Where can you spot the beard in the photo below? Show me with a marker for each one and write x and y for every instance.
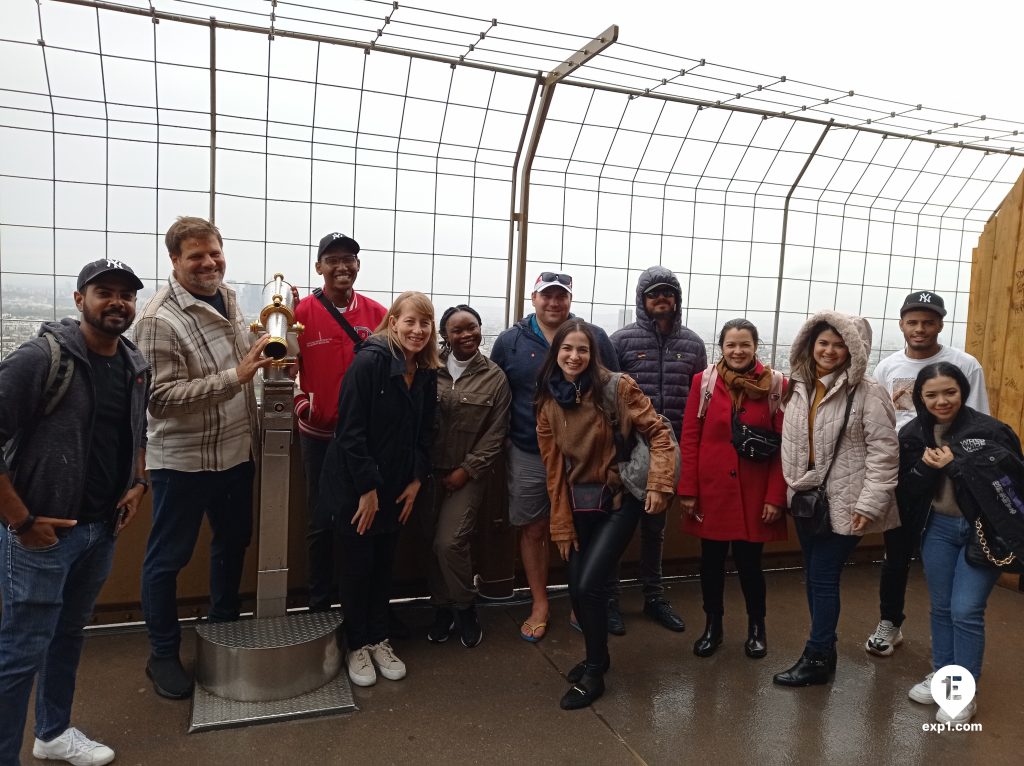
(110, 323)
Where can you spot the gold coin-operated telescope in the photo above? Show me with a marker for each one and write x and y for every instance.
(278, 319)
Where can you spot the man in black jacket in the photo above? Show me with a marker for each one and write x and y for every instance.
(662, 356)
(71, 477)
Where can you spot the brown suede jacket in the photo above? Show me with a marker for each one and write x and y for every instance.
(583, 436)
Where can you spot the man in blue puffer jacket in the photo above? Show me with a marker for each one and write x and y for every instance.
(662, 356)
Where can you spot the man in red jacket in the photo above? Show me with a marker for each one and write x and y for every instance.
(336, 317)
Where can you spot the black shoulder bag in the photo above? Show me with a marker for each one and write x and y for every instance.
(338, 316)
(810, 507)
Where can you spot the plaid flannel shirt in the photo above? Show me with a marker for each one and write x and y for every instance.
(200, 417)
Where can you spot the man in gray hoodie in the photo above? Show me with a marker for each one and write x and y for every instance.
(73, 424)
(662, 356)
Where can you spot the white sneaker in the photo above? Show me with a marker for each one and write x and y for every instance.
(964, 717)
(74, 747)
(884, 640)
(360, 667)
(384, 658)
(922, 692)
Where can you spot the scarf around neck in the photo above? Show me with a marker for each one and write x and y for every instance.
(748, 383)
(567, 394)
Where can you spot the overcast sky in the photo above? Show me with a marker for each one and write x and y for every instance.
(950, 55)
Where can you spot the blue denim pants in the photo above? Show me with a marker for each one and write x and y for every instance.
(824, 558)
(958, 593)
(180, 499)
(48, 597)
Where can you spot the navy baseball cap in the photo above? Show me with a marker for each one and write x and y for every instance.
(93, 271)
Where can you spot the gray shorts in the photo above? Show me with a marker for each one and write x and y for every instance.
(527, 487)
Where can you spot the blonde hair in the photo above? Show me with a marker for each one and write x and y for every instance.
(411, 300)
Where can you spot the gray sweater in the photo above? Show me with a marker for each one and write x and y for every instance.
(46, 456)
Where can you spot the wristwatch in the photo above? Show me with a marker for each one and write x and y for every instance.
(23, 527)
(143, 482)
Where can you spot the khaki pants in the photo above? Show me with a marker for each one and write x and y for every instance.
(448, 522)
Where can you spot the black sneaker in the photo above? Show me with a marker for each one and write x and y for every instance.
(615, 624)
(169, 677)
(444, 621)
(469, 627)
(659, 610)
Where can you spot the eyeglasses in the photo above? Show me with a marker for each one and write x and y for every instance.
(338, 260)
(660, 292)
(551, 276)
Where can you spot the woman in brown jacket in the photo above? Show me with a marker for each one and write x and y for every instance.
(472, 418)
(593, 516)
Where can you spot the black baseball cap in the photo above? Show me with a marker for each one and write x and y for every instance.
(337, 240)
(924, 300)
(92, 271)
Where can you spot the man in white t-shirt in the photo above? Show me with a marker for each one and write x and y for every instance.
(921, 322)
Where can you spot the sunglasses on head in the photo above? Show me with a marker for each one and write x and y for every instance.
(660, 292)
(550, 276)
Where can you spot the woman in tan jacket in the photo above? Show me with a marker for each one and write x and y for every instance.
(593, 516)
(839, 433)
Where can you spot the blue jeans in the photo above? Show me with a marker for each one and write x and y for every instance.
(824, 558)
(48, 597)
(958, 593)
(180, 499)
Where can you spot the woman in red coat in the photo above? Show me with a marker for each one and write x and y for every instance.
(728, 498)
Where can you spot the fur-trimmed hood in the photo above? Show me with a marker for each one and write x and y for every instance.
(856, 333)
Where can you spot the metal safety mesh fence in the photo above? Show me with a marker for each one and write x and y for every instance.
(417, 132)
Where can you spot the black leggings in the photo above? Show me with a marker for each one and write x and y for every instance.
(712, 575)
(364, 584)
(603, 539)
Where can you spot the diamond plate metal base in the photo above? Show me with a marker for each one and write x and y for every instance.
(210, 712)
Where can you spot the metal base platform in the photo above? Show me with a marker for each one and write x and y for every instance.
(243, 667)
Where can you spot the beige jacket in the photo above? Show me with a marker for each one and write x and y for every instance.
(863, 479)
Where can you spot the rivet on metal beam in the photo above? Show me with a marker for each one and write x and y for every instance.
(956, 124)
(494, 22)
(782, 79)
(982, 117)
(892, 114)
(827, 100)
(760, 87)
(918, 107)
(850, 93)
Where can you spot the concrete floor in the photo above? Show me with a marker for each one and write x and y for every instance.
(498, 703)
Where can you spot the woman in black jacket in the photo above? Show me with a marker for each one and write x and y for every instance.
(372, 473)
(936, 496)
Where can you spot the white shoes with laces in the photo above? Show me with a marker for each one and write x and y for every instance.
(360, 667)
(922, 692)
(75, 748)
(387, 663)
(884, 640)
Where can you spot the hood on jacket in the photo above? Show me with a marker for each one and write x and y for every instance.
(653, 276)
(68, 333)
(856, 333)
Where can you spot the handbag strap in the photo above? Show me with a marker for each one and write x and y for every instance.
(611, 410)
(338, 316)
(842, 430)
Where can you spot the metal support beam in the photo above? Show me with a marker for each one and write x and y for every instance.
(782, 251)
(512, 217)
(213, 119)
(571, 64)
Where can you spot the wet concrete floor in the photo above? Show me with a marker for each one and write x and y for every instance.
(498, 703)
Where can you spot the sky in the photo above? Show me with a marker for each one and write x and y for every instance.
(950, 55)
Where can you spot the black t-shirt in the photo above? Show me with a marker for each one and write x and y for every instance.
(109, 462)
(217, 301)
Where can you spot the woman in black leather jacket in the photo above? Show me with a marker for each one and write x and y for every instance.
(936, 495)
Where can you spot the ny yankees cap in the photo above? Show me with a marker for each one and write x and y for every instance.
(92, 271)
(336, 239)
(924, 300)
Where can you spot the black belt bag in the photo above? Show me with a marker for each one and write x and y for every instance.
(590, 498)
(758, 445)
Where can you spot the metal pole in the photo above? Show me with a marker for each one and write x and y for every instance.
(782, 251)
(512, 217)
(213, 119)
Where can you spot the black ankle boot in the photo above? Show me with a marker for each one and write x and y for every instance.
(584, 692)
(812, 669)
(756, 645)
(711, 638)
(578, 670)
